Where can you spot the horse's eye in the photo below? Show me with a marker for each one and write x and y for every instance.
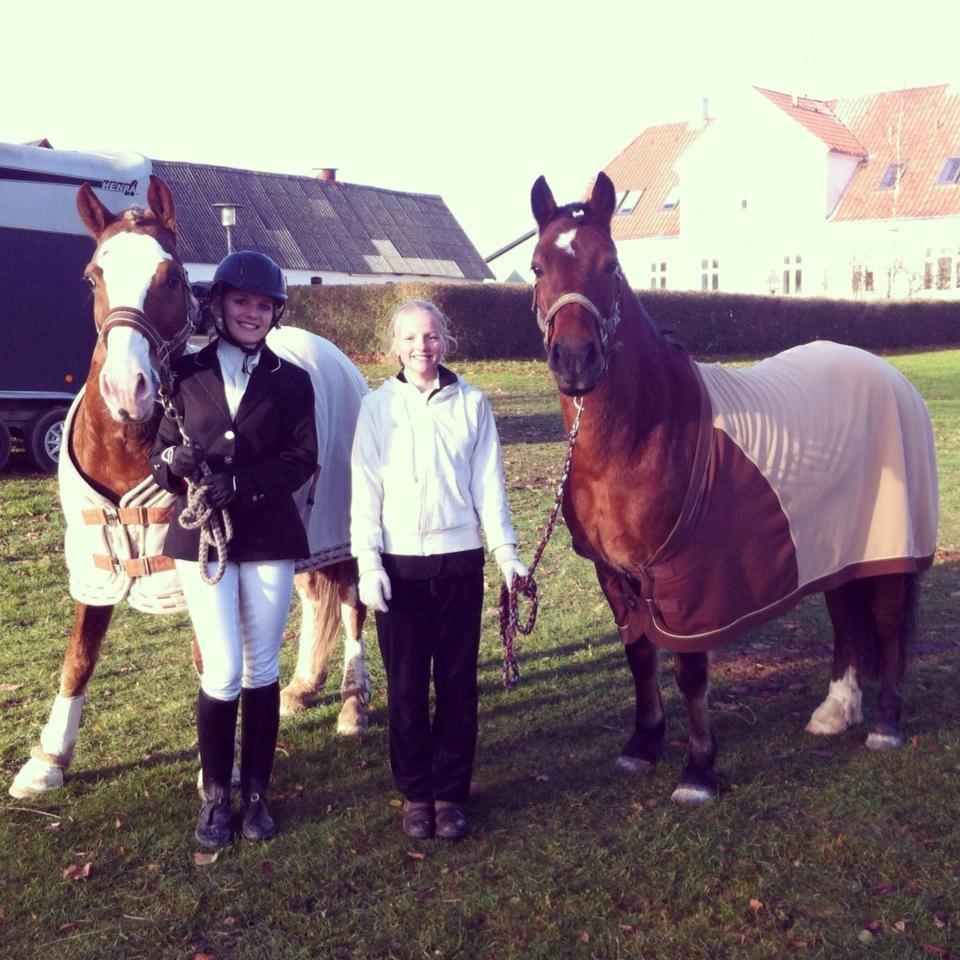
(173, 281)
(537, 270)
(90, 280)
(611, 267)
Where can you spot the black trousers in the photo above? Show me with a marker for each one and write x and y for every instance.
(432, 622)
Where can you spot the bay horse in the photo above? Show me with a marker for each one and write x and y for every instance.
(711, 500)
(144, 312)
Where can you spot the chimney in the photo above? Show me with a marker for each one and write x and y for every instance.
(326, 173)
(705, 109)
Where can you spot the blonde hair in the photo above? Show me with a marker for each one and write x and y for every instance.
(447, 338)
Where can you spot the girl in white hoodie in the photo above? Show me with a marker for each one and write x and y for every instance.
(427, 476)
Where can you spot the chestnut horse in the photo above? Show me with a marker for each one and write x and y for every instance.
(692, 508)
(145, 312)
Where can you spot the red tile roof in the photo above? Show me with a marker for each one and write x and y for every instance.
(648, 163)
(819, 118)
(920, 126)
(926, 122)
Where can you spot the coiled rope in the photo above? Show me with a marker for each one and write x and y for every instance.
(214, 523)
(510, 624)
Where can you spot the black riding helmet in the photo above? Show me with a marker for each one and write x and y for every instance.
(255, 273)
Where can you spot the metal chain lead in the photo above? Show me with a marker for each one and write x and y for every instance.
(215, 525)
(510, 624)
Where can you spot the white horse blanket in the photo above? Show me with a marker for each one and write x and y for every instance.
(814, 467)
(116, 552)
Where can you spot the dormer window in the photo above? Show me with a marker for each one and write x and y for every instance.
(892, 175)
(951, 171)
(627, 200)
(672, 200)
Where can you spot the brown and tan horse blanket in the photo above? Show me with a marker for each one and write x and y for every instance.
(814, 467)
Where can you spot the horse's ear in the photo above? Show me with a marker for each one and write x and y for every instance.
(161, 203)
(603, 199)
(95, 216)
(542, 203)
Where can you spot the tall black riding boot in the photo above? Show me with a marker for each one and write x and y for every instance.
(216, 726)
(260, 721)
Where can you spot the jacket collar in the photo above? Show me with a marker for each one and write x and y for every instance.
(258, 389)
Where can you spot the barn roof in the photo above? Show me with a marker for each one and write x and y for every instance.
(318, 225)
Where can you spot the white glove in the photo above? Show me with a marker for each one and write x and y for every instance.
(375, 590)
(509, 563)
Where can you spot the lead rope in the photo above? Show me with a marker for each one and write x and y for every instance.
(215, 525)
(510, 624)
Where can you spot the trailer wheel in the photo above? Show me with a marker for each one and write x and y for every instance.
(5, 444)
(44, 436)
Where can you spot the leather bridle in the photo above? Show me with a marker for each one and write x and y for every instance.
(606, 323)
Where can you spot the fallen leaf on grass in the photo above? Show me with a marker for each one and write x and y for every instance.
(7, 687)
(204, 956)
(229, 921)
(755, 904)
(900, 925)
(584, 937)
(797, 945)
(205, 859)
(50, 827)
(934, 950)
(938, 923)
(416, 855)
(70, 925)
(874, 925)
(882, 890)
(76, 872)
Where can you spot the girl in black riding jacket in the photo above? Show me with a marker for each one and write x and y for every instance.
(249, 417)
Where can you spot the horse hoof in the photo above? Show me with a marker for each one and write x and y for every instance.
(295, 699)
(633, 765)
(831, 717)
(884, 741)
(692, 796)
(34, 778)
(354, 718)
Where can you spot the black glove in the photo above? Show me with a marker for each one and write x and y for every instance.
(185, 461)
(218, 488)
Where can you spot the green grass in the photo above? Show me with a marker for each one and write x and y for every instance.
(816, 848)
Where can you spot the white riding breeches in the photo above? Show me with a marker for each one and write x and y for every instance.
(238, 622)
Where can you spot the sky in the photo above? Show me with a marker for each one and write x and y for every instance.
(468, 101)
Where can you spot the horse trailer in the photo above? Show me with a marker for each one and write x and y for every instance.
(46, 327)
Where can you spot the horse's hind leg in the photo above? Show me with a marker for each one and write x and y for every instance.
(698, 782)
(848, 607)
(328, 599)
(354, 717)
(51, 758)
(893, 609)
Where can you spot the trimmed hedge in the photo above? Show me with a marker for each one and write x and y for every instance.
(495, 321)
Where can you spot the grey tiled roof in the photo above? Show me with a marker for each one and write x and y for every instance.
(318, 225)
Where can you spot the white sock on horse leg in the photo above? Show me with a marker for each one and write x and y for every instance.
(59, 736)
(355, 676)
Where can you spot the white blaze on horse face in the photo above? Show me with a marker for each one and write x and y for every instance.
(565, 241)
(128, 263)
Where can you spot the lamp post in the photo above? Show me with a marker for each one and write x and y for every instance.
(228, 219)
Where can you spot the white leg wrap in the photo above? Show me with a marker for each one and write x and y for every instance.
(44, 770)
(355, 689)
(842, 708)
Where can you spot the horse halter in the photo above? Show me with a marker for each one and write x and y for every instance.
(606, 324)
(136, 319)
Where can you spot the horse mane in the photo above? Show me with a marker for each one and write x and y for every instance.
(135, 219)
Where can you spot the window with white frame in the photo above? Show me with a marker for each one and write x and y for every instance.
(672, 200)
(892, 175)
(658, 275)
(862, 279)
(941, 269)
(792, 274)
(709, 274)
(951, 171)
(627, 200)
